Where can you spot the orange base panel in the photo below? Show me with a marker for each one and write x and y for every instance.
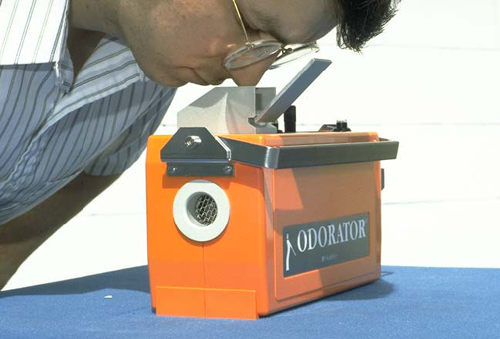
(291, 235)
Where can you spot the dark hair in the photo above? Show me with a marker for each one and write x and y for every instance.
(361, 20)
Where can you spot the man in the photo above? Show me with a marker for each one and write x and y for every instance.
(83, 83)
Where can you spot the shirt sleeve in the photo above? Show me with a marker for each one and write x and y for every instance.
(32, 31)
(124, 151)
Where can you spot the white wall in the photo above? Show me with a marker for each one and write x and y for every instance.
(430, 81)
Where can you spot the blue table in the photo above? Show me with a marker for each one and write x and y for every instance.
(405, 303)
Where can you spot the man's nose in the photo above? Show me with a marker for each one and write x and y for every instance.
(250, 75)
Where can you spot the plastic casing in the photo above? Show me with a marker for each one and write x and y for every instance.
(239, 275)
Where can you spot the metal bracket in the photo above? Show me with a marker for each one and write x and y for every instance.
(194, 151)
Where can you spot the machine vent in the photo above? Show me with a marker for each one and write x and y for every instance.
(205, 211)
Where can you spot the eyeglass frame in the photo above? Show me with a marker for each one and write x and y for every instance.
(285, 50)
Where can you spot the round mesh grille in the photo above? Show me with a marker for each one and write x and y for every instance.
(205, 210)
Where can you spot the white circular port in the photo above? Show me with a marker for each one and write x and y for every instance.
(201, 210)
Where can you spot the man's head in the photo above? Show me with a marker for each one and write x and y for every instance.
(176, 42)
(361, 20)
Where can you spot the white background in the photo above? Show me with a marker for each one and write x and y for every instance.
(430, 81)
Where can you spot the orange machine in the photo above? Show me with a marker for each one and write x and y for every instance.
(241, 226)
(244, 221)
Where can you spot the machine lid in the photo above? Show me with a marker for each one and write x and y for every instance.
(293, 90)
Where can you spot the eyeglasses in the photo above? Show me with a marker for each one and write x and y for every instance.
(256, 51)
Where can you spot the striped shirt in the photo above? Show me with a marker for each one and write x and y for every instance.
(54, 127)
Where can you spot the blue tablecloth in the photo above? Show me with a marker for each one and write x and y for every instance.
(405, 303)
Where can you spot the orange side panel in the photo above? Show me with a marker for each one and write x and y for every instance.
(352, 185)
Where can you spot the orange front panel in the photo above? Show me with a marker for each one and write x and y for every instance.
(174, 259)
(239, 258)
(181, 302)
(232, 260)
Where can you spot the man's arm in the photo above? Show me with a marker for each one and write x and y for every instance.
(20, 237)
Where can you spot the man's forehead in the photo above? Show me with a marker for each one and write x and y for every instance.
(291, 21)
